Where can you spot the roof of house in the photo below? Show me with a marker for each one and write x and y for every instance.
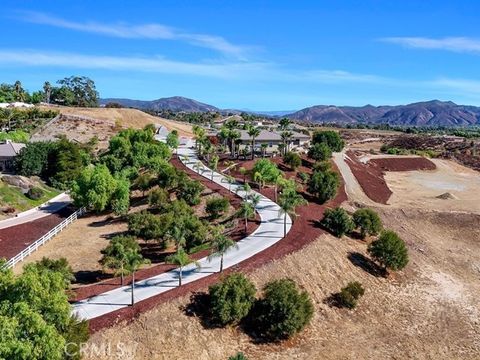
(10, 149)
(266, 135)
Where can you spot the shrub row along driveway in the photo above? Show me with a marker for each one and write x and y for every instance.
(268, 233)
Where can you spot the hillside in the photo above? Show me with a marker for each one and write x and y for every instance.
(430, 113)
(175, 103)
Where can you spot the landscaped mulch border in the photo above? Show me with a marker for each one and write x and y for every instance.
(305, 229)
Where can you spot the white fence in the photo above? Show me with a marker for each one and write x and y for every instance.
(34, 246)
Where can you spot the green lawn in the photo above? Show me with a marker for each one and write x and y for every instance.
(13, 196)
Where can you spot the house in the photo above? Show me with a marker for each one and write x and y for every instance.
(272, 140)
(8, 151)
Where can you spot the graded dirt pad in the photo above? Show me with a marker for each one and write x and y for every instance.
(428, 311)
(403, 164)
(16, 238)
(127, 118)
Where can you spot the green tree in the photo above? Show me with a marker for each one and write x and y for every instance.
(33, 159)
(231, 299)
(337, 221)
(288, 201)
(349, 295)
(323, 185)
(146, 225)
(158, 198)
(253, 132)
(47, 91)
(389, 250)
(220, 243)
(94, 188)
(120, 201)
(76, 91)
(329, 137)
(181, 259)
(266, 170)
(216, 207)
(143, 182)
(319, 152)
(284, 123)
(190, 190)
(115, 255)
(172, 140)
(246, 211)
(286, 138)
(60, 266)
(368, 221)
(283, 311)
(292, 159)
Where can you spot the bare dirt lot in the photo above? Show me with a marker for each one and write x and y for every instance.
(430, 310)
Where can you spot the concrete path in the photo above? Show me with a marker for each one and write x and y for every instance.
(52, 206)
(268, 233)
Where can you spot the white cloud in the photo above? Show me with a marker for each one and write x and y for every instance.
(469, 88)
(144, 31)
(458, 44)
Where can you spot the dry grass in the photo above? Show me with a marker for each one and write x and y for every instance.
(431, 310)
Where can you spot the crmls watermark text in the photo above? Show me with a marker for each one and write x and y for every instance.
(105, 349)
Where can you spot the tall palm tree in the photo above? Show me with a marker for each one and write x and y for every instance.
(247, 211)
(181, 259)
(254, 199)
(258, 178)
(253, 132)
(288, 201)
(234, 136)
(243, 172)
(134, 261)
(284, 123)
(220, 244)
(19, 92)
(214, 164)
(47, 90)
(264, 149)
(286, 136)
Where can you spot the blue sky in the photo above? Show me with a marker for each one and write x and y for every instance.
(259, 55)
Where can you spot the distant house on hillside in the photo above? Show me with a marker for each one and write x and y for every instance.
(272, 140)
(8, 151)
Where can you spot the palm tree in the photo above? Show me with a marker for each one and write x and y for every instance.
(213, 164)
(198, 165)
(284, 123)
(278, 181)
(258, 178)
(181, 259)
(243, 172)
(19, 92)
(264, 149)
(47, 89)
(234, 136)
(288, 202)
(220, 244)
(286, 136)
(254, 199)
(245, 187)
(230, 180)
(247, 211)
(134, 261)
(253, 132)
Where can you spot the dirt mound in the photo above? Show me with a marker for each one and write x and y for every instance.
(18, 181)
(446, 196)
(403, 164)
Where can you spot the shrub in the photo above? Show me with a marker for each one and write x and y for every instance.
(329, 137)
(319, 152)
(389, 250)
(368, 221)
(292, 159)
(323, 185)
(283, 311)
(145, 225)
(322, 166)
(337, 221)
(231, 299)
(238, 356)
(190, 190)
(350, 294)
(216, 207)
(35, 193)
(304, 176)
(158, 198)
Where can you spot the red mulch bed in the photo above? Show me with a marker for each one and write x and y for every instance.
(236, 234)
(370, 176)
(16, 238)
(403, 164)
(304, 230)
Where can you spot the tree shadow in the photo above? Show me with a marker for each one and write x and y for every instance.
(85, 277)
(108, 221)
(154, 252)
(199, 306)
(365, 264)
(334, 301)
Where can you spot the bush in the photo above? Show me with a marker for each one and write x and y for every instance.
(292, 159)
(190, 190)
(337, 221)
(319, 152)
(330, 138)
(304, 176)
(34, 193)
(368, 221)
(158, 198)
(323, 185)
(216, 207)
(389, 250)
(238, 356)
(283, 311)
(322, 166)
(145, 225)
(231, 299)
(350, 294)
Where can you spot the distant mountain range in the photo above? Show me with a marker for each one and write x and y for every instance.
(428, 113)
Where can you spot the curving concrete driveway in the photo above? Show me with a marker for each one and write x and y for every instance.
(268, 233)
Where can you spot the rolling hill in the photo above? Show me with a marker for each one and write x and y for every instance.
(429, 113)
(175, 103)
